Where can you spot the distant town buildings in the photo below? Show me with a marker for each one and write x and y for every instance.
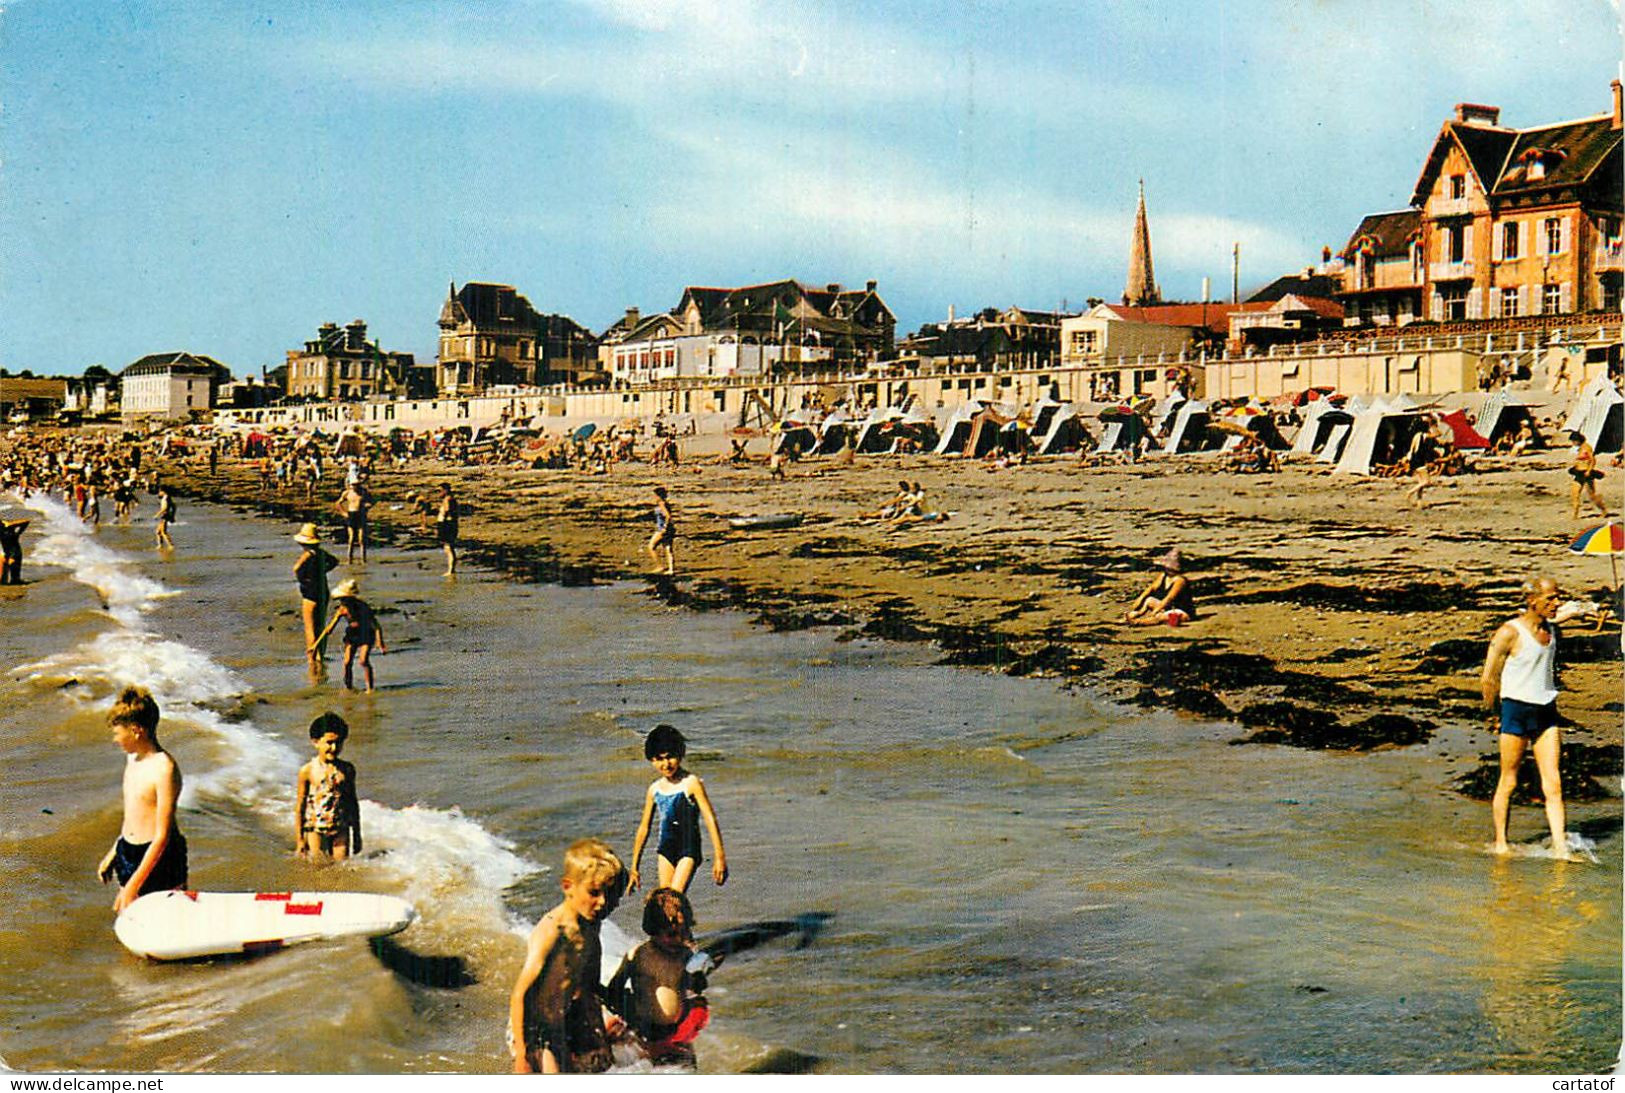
(991, 339)
(30, 399)
(170, 386)
(487, 339)
(778, 327)
(1503, 223)
(340, 363)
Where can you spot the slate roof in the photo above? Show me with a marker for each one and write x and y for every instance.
(193, 363)
(1296, 284)
(1495, 154)
(489, 307)
(1392, 232)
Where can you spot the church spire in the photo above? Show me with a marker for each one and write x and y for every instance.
(1142, 282)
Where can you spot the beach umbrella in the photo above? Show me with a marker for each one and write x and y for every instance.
(1606, 539)
(584, 431)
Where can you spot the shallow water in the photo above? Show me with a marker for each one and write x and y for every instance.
(1022, 878)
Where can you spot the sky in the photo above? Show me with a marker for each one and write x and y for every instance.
(224, 177)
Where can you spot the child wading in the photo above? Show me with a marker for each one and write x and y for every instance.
(326, 810)
(653, 989)
(555, 1021)
(676, 802)
(361, 632)
(150, 854)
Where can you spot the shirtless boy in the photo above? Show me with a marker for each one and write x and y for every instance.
(150, 854)
(653, 988)
(555, 1022)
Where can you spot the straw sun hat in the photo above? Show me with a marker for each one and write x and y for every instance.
(350, 587)
(307, 535)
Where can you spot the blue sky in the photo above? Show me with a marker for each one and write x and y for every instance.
(223, 177)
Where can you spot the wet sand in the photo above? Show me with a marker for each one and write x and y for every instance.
(1332, 615)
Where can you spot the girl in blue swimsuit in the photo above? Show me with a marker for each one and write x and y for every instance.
(674, 806)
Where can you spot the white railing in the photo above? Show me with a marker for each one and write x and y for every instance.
(1450, 271)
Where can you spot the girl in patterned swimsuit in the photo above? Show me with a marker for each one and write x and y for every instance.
(327, 812)
(676, 802)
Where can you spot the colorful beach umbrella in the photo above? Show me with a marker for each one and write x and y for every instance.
(1606, 539)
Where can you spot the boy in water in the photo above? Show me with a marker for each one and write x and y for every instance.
(555, 1021)
(150, 854)
(676, 801)
(326, 810)
(653, 988)
(361, 632)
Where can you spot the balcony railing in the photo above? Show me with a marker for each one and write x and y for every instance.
(1450, 271)
(1449, 206)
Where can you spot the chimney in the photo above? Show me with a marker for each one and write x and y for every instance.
(1619, 107)
(833, 287)
(870, 285)
(1472, 113)
(631, 317)
(950, 314)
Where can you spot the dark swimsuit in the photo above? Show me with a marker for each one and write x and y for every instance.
(677, 818)
(170, 872)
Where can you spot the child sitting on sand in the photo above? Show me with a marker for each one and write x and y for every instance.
(326, 810)
(555, 1021)
(653, 988)
(676, 801)
(361, 632)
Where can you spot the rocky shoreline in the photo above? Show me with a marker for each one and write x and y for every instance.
(1332, 615)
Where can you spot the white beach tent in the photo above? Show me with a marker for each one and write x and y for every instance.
(957, 431)
(1066, 431)
(1189, 430)
(1599, 415)
(1317, 427)
(1378, 436)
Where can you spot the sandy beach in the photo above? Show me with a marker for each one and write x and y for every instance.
(1332, 614)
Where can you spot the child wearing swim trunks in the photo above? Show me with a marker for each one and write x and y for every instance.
(653, 988)
(361, 632)
(326, 810)
(675, 804)
(150, 854)
(555, 1020)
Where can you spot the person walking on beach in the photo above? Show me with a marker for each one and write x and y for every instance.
(150, 852)
(352, 506)
(665, 534)
(1585, 474)
(361, 631)
(445, 527)
(311, 572)
(1520, 678)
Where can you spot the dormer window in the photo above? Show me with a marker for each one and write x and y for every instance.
(1458, 187)
(1538, 161)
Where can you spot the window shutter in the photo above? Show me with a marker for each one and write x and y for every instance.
(1565, 299)
(1467, 243)
(1523, 299)
(1436, 307)
(1539, 227)
(1475, 303)
(1495, 303)
(1563, 238)
(1496, 232)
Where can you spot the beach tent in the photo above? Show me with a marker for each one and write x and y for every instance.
(833, 433)
(957, 431)
(874, 435)
(794, 439)
(1463, 435)
(1599, 416)
(1502, 414)
(1317, 431)
(1377, 437)
(984, 433)
(1122, 432)
(1166, 412)
(1066, 433)
(1189, 430)
(1262, 427)
(1336, 438)
(1044, 411)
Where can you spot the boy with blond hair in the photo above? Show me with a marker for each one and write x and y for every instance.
(555, 1022)
(150, 853)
